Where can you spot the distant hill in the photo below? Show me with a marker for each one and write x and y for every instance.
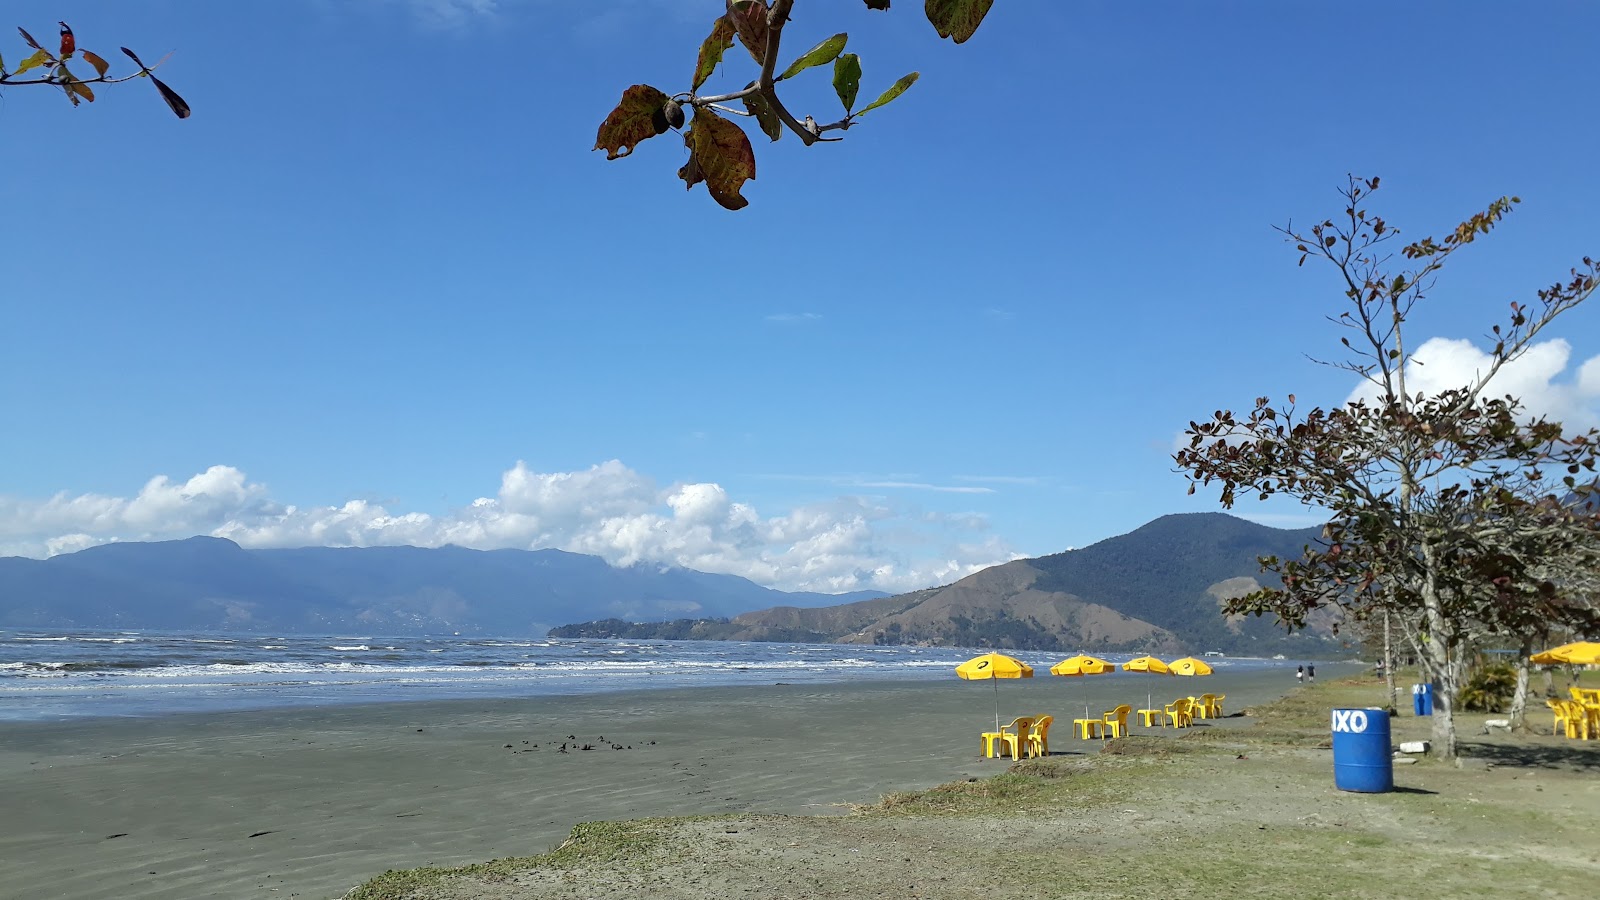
(1157, 589)
(210, 583)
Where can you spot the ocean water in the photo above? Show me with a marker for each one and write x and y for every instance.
(54, 676)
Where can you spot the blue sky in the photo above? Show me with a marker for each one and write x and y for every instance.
(379, 289)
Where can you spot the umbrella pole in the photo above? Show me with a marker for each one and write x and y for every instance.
(996, 704)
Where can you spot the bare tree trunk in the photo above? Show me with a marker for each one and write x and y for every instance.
(1437, 665)
(1388, 660)
(1519, 700)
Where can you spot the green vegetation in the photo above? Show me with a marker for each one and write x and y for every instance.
(1489, 689)
(720, 154)
(1450, 514)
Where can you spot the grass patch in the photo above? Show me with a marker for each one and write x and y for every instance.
(999, 792)
(630, 843)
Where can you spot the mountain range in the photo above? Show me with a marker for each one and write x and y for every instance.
(211, 584)
(1158, 589)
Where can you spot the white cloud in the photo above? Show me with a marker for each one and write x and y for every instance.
(607, 510)
(1534, 378)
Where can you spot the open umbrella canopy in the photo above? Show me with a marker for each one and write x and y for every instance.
(1582, 653)
(1082, 665)
(1147, 664)
(1189, 666)
(993, 665)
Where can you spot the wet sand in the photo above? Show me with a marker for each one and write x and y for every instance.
(309, 803)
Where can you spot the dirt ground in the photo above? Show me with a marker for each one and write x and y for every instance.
(1242, 807)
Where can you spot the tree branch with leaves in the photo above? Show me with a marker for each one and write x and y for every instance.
(53, 71)
(720, 153)
(1445, 510)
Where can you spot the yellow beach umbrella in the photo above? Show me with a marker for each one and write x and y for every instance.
(1081, 665)
(994, 666)
(1189, 666)
(1582, 653)
(1149, 665)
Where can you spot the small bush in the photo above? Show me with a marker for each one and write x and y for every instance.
(1489, 689)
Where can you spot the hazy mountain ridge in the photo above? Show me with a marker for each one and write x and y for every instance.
(208, 583)
(1159, 589)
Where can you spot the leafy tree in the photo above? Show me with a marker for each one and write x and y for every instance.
(51, 69)
(720, 154)
(1443, 509)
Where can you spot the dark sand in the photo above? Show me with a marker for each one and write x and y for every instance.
(309, 803)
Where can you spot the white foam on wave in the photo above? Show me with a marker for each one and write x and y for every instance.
(350, 647)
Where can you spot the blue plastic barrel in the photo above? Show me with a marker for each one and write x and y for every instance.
(1361, 758)
(1422, 699)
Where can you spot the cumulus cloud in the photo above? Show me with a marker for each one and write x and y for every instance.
(1535, 378)
(608, 510)
(1539, 379)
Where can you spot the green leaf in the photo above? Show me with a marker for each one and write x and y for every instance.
(711, 50)
(39, 58)
(722, 157)
(825, 52)
(637, 116)
(847, 79)
(761, 108)
(956, 19)
(749, 19)
(94, 59)
(895, 90)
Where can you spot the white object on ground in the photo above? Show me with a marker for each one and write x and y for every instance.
(1414, 747)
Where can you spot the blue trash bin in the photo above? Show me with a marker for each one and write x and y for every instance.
(1422, 702)
(1361, 756)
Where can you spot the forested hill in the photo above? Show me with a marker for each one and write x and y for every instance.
(1159, 588)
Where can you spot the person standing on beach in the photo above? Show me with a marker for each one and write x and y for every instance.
(1300, 674)
(1311, 673)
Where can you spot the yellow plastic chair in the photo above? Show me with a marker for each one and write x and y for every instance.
(1570, 720)
(1012, 736)
(1180, 712)
(1115, 723)
(1039, 736)
(1588, 704)
(1216, 705)
(1203, 706)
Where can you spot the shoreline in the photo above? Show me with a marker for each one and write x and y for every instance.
(310, 802)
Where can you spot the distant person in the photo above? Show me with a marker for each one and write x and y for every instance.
(1311, 673)
(1300, 674)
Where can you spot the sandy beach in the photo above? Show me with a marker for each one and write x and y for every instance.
(309, 803)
